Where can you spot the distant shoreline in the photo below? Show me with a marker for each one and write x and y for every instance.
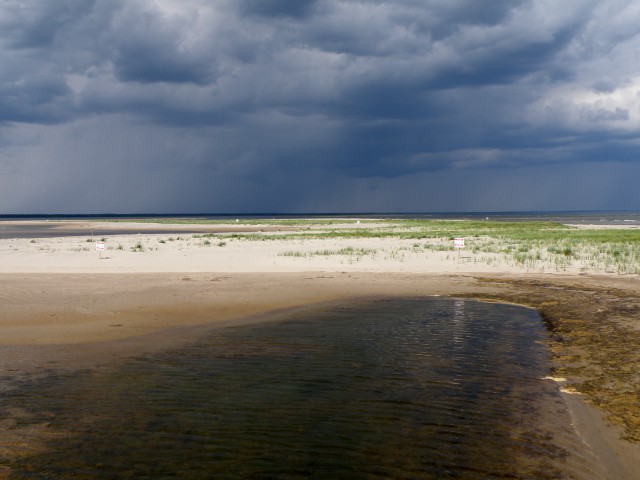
(17, 226)
(76, 228)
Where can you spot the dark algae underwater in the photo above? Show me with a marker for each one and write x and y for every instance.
(595, 341)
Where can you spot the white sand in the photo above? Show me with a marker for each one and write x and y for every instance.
(187, 253)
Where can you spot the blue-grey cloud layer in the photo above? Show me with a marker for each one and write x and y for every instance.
(317, 105)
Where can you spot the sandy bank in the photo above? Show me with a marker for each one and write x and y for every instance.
(73, 321)
(41, 309)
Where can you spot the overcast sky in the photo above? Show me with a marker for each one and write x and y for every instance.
(318, 105)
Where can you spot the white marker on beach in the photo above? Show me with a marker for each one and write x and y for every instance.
(458, 243)
(100, 248)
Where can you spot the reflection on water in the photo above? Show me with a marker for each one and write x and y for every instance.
(411, 388)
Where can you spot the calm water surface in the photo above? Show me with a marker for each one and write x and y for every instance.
(402, 388)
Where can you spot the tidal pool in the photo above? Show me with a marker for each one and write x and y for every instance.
(386, 389)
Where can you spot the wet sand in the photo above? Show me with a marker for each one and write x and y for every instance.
(70, 228)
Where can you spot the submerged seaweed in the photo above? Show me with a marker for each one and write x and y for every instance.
(595, 342)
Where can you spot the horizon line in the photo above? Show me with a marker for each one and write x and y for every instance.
(316, 214)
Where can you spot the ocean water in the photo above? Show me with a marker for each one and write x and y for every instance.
(420, 388)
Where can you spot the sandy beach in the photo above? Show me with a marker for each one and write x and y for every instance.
(64, 304)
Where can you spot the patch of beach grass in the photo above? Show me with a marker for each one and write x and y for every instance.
(345, 251)
(538, 246)
(533, 245)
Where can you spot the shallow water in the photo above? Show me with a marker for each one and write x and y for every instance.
(402, 388)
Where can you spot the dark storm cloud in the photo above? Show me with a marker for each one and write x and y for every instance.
(149, 48)
(269, 8)
(36, 24)
(215, 97)
(39, 99)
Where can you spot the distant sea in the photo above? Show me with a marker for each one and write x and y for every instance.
(630, 217)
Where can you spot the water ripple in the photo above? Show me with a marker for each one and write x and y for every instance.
(410, 388)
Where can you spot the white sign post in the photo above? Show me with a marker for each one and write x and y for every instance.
(458, 243)
(100, 248)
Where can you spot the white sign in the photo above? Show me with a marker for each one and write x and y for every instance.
(99, 246)
(458, 242)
